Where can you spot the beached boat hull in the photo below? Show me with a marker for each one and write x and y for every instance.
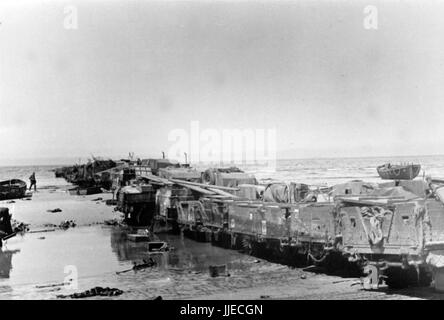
(12, 189)
(396, 172)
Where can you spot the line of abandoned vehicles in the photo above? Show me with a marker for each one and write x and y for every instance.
(392, 231)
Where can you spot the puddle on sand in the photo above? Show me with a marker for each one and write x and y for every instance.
(97, 252)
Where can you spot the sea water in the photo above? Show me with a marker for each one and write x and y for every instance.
(93, 254)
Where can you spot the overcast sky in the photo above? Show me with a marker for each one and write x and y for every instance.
(135, 70)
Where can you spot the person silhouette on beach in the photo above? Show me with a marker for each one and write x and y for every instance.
(33, 182)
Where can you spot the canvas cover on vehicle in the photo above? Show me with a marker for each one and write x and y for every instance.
(235, 179)
(353, 188)
(394, 192)
(228, 177)
(180, 173)
(285, 193)
(276, 192)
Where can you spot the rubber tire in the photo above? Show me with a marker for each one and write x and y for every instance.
(208, 177)
(398, 278)
(425, 278)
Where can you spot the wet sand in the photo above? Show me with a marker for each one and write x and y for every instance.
(82, 209)
(98, 251)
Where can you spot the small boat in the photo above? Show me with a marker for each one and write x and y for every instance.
(398, 171)
(12, 189)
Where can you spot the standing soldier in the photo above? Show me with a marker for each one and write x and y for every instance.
(33, 182)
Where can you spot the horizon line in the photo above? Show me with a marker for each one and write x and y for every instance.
(203, 162)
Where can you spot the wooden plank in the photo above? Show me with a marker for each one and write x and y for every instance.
(223, 193)
(203, 185)
(371, 203)
(380, 197)
(156, 178)
(115, 169)
(195, 188)
(218, 196)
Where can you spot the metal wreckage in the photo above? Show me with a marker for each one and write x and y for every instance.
(392, 232)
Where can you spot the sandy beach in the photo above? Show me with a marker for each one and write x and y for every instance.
(85, 210)
(35, 264)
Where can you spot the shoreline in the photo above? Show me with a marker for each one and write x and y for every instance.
(73, 160)
(99, 251)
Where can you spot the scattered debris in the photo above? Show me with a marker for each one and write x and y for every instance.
(97, 291)
(52, 285)
(53, 289)
(54, 210)
(218, 270)
(19, 227)
(141, 235)
(84, 191)
(112, 222)
(146, 264)
(158, 246)
(50, 225)
(346, 280)
(309, 267)
(42, 230)
(67, 224)
(355, 283)
(111, 202)
(8, 236)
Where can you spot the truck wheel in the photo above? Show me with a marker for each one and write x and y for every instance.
(438, 275)
(258, 249)
(425, 277)
(335, 264)
(246, 246)
(395, 278)
(398, 278)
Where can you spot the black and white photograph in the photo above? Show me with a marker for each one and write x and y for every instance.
(238, 151)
